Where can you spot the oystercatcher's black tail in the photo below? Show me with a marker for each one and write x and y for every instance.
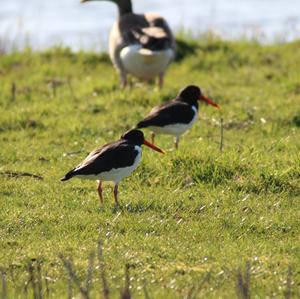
(68, 176)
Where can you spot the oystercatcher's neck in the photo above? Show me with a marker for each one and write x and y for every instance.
(189, 101)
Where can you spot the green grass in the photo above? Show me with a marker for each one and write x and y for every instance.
(187, 219)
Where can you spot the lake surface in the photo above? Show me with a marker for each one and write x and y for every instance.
(86, 26)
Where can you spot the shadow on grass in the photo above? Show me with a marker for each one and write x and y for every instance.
(269, 183)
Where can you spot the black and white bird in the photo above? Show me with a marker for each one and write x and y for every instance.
(177, 116)
(113, 161)
(142, 45)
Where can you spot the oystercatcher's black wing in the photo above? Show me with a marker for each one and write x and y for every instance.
(117, 154)
(171, 113)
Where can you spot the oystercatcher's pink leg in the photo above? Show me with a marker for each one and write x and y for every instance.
(116, 194)
(152, 137)
(100, 192)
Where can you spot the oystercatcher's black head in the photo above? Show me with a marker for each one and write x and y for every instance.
(136, 137)
(191, 94)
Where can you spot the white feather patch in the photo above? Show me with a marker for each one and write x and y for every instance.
(144, 63)
(176, 129)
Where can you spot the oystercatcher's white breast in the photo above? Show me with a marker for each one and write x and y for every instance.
(176, 129)
(144, 63)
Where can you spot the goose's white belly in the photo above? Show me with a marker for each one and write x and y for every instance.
(116, 174)
(144, 63)
(176, 129)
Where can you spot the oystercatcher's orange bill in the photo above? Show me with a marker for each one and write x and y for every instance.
(153, 147)
(209, 101)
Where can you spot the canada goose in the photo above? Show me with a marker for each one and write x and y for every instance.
(140, 44)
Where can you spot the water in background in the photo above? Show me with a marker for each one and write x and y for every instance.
(46, 23)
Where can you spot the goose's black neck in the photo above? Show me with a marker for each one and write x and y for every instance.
(124, 6)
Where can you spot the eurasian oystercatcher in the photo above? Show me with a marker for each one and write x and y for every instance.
(177, 116)
(140, 44)
(113, 161)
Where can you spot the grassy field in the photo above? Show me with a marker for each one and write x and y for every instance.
(189, 219)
